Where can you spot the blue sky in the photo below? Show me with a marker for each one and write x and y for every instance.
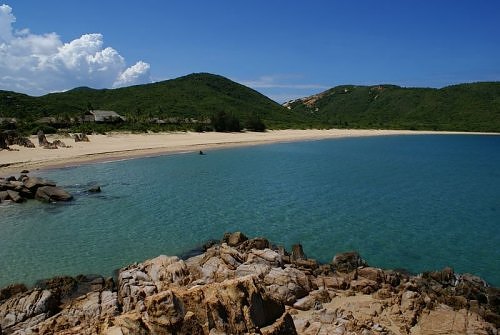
(284, 49)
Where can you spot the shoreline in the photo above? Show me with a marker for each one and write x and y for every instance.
(120, 146)
(241, 274)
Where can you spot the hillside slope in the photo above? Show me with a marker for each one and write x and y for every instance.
(197, 96)
(465, 107)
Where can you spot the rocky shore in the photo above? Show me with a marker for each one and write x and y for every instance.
(20, 189)
(249, 286)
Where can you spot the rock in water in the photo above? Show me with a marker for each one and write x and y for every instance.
(95, 189)
(297, 252)
(14, 196)
(234, 239)
(33, 183)
(52, 193)
(348, 261)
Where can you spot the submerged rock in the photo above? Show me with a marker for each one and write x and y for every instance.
(95, 189)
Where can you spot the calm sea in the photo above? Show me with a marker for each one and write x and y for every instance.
(413, 202)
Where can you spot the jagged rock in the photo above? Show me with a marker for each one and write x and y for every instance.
(14, 196)
(234, 306)
(259, 262)
(26, 309)
(81, 137)
(297, 252)
(313, 300)
(12, 137)
(52, 193)
(12, 290)
(266, 256)
(234, 239)
(235, 290)
(348, 261)
(444, 277)
(84, 315)
(364, 285)
(254, 243)
(67, 288)
(33, 183)
(59, 143)
(373, 274)
(282, 326)
(42, 140)
(287, 285)
(4, 195)
(444, 320)
(138, 281)
(331, 282)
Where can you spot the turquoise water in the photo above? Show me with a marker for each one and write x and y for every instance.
(413, 202)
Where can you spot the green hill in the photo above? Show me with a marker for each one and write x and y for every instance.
(198, 96)
(464, 107)
(201, 96)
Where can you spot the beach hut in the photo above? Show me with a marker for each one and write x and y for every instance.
(102, 116)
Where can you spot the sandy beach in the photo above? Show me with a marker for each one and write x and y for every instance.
(115, 146)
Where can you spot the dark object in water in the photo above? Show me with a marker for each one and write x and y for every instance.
(201, 152)
(95, 189)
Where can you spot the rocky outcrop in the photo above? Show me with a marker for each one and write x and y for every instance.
(249, 286)
(52, 193)
(12, 137)
(26, 310)
(81, 137)
(20, 189)
(43, 142)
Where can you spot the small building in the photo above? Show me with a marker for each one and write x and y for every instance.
(47, 120)
(103, 116)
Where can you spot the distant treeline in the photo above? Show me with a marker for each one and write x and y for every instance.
(205, 102)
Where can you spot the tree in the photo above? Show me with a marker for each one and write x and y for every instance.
(222, 122)
(255, 123)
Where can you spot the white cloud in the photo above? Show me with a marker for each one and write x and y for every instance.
(136, 73)
(38, 64)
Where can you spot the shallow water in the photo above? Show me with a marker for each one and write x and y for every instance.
(415, 202)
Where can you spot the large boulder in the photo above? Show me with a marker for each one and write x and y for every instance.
(287, 285)
(42, 140)
(52, 193)
(85, 315)
(138, 281)
(348, 261)
(33, 183)
(235, 306)
(11, 290)
(234, 239)
(26, 309)
(14, 196)
(67, 288)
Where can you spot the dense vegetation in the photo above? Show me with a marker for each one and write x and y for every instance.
(464, 107)
(204, 102)
(186, 102)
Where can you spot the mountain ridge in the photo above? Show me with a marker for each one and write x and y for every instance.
(459, 107)
(462, 107)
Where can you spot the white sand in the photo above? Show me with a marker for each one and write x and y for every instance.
(123, 145)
